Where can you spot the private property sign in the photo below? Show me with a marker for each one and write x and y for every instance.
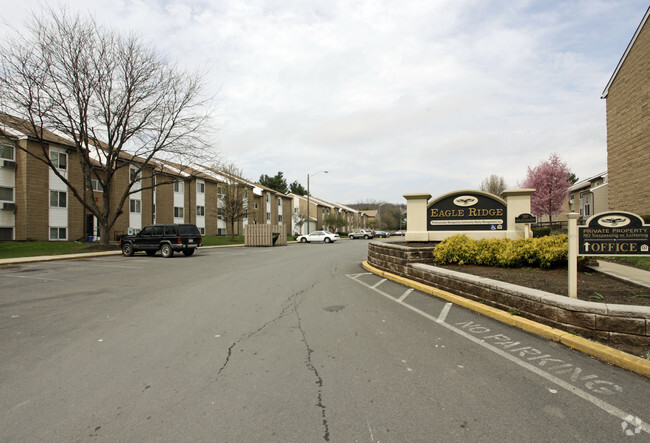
(614, 233)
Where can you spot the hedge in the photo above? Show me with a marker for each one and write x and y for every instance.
(544, 252)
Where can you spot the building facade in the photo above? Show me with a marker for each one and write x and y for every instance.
(627, 97)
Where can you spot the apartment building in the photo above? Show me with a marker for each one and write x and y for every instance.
(588, 197)
(324, 215)
(627, 96)
(36, 204)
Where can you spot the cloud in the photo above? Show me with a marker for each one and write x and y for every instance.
(393, 97)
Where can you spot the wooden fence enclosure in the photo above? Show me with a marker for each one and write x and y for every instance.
(262, 235)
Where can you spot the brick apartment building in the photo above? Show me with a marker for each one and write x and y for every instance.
(628, 126)
(35, 204)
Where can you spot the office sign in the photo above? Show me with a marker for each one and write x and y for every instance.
(614, 233)
(467, 211)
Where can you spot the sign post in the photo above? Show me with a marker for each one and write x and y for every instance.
(573, 254)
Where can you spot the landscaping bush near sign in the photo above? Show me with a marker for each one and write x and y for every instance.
(544, 252)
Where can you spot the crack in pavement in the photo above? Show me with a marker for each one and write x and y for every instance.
(319, 379)
(290, 302)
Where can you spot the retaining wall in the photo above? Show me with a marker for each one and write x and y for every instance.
(626, 326)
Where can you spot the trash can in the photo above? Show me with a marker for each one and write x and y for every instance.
(276, 235)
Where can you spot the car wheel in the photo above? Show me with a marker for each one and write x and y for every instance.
(188, 252)
(366, 237)
(127, 249)
(351, 237)
(303, 240)
(328, 240)
(151, 253)
(166, 250)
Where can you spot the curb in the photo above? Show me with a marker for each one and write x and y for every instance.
(594, 349)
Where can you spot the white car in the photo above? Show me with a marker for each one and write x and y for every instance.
(324, 236)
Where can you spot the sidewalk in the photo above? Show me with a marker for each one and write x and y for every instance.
(622, 272)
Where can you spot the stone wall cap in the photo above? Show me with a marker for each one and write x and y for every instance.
(515, 192)
(417, 195)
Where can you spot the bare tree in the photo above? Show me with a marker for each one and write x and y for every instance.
(233, 201)
(493, 184)
(118, 102)
(299, 219)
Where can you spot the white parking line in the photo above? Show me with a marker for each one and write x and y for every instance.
(443, 314)
(378, 283)
(605, 406)
(406, 294)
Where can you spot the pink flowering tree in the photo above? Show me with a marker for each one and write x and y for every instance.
(551, 181)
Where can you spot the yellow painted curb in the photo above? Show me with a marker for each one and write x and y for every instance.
(597, 350)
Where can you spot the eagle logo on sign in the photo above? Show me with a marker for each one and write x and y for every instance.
(614, 221)
(465, 200)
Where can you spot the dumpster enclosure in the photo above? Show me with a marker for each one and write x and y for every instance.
(265, 235)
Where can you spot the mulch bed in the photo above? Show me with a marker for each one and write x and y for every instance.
(592, 286)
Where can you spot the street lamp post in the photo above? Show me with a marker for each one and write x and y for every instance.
(308, 194)
(379, 215)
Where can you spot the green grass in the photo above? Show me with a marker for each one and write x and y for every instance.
(13, 249)
(222, 240)
(31, 249)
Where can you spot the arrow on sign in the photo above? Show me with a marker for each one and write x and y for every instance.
(587, 246)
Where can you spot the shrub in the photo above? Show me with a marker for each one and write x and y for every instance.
(543, 252)
(458, 249)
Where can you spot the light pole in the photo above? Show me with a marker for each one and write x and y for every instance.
(379, 215)
(308, 221)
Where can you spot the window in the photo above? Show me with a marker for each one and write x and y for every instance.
(200, 187)
(96, 185)
(58, 199)
(59, 159)
(221, 213)
(157, 230)
(6, 194)
(200, 210)
(178, 212)
(268, 217)
(6, 152)
(135, 206)
(6, 234)
(134, 175)
(255, 206)
(202, 231)
(178, 186)
(279, 201)
(268, 198)
(279, 218)
(58, 233)
(221, 192)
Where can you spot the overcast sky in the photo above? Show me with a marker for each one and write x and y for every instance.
(391, 97)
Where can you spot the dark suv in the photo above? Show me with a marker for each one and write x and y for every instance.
(163, 238)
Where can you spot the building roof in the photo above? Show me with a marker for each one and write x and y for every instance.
(587, 182)
(625, 54)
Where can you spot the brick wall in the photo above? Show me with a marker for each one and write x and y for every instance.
(628, 131)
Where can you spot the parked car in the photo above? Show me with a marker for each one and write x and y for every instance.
(167, 239)
(382, 234)
(398, 234)
(324, 236)
(361, 233)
